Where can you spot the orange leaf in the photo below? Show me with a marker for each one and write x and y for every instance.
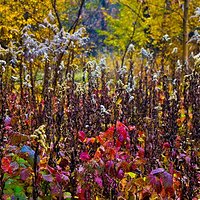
(97, 154)
(108, 134)
(91, 140)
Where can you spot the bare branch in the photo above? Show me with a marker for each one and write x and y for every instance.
(53, 2)
(74, 25)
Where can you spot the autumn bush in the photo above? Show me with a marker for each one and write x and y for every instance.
(130, 133)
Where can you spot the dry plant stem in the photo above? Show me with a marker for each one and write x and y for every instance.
(2, 116)
(185, 37)
(133, 33)
(73, 27)
(54, 5)
(35, 176)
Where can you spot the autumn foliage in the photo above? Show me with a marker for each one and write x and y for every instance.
(77, 127)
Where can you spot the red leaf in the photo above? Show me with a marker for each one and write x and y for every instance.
(118, 143)
(170, 191)
(121, 138)
(81, 136)
(100, 139)
(81, 193)
(140, 133)
(58, 178)
(166, 145)
(5, 165)
(122, 131)
(108, 134)
(112, 153)
(84, 156)
(51, 170)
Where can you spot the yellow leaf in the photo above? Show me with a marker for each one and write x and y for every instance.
(164, 159)
(118, 101)
(140, 139)
(123, 183)
(131, 174)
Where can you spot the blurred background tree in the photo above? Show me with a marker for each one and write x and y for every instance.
(112, 25)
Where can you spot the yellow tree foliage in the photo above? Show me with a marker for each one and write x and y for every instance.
(150, 24)
(15, 14)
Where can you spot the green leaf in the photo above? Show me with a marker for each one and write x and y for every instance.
(9, 183)
(8, 191)
(23, 163)
(131, 174)
(67, 195)
(18, 189)
(21, 196)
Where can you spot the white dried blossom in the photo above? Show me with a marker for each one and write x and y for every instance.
(197, 56)
(27, 77)
(62, 65)
(175, 50)
(129, 89)
(131, 48)
(155, 76)
(91, 64)
(27, 84)
(14, 78)
(131, 98)
(197, 12)
(158, 108)
(122, 71)
(197, 59)
(42, 26)
(2, 62)
(3, 69)
(179, 65)
(102, 63)
(146, 54)
(119, 82)
(166, 37)
(174, 81)
(173, 96)
(195, 37)
(103, 110)
(93, 99)
(26, 28)
(109, 82)
(51, 16)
